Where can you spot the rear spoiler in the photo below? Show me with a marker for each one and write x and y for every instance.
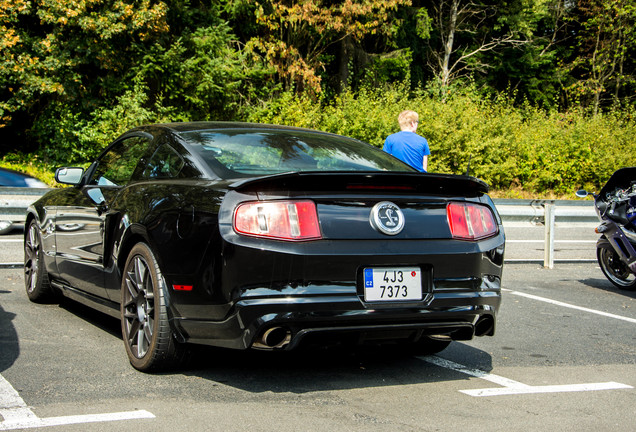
(372, 181)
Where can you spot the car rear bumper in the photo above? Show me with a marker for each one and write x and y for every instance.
(304, 290)
(286, 322)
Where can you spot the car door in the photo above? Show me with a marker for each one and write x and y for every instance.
(79, 225)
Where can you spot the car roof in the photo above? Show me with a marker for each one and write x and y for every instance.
(10, 177)
(220, 125)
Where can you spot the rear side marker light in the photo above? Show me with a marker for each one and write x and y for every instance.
(182, 287)
(470, 221)
(280, 220)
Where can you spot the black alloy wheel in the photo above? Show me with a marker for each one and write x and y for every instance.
(144, 316)
(614, 269)
(36, 279)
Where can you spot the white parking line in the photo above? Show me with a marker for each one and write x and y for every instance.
(511, 387)
(67, 420)
(17, 415)
(506, 391)
(12, 407)
(438, 361)
(571, 306)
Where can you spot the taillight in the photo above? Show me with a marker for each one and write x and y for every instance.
(281, 220)
(470, 221)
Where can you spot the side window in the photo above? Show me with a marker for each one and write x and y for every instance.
(164, 163)
(116, 167)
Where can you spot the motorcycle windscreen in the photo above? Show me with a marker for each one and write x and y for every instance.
(622, 178)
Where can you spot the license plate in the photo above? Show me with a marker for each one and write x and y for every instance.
(392, 284)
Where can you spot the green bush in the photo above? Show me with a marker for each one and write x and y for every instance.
(519, 151)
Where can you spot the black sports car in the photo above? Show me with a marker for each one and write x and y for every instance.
(258, 236)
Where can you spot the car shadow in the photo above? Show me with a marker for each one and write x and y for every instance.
(9, 343)
(315, 369)
(98, 319)
(308, 369)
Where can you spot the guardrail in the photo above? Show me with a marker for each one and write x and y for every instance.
(15, 200)
(534, 211)
(548, 213)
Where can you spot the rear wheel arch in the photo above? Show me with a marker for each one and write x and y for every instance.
(132, 235)
(124, 249)
(29, 217)
(135, 236)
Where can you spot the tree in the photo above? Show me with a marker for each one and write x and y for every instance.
(297, 35)
(69, 67)
(531, 72)
(51, 48)
(59, 53)
(464, 30)
(606, 47)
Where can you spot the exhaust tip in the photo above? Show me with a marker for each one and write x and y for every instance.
(273, 338)
(485, 326)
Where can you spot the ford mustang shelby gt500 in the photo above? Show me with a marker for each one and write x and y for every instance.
(258, 236)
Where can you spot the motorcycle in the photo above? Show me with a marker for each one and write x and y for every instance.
(616, 208)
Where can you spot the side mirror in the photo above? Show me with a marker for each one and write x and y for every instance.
(71, 176)
(581, 193)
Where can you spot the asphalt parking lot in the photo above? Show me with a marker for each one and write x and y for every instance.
(563, 358)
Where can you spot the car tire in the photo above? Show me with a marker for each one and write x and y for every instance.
(36, 279)
(146, 330)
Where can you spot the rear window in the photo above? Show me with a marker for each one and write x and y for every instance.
(242, 153)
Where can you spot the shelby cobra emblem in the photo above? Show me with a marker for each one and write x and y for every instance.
(387, 218)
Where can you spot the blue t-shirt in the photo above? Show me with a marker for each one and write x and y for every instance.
(409, 147)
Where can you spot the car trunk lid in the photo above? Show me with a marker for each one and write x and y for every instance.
(346, 202)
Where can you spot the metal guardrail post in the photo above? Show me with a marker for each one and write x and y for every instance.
(548, 256)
